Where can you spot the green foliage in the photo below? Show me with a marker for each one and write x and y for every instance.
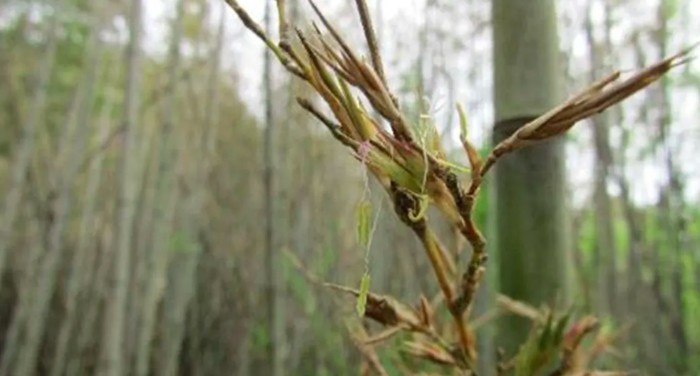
(301, 291)
(363, 214)
(259, 336)
(542, 346)
(362, 296)
(182, 242)
(586, 237)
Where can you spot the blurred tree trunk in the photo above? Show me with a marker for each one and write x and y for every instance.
(185, 257)
(165, 204)
(605, 248)
(86, 360)
(112, 357)
(18, 182)
(649, 303)
(82, 267)
(531, 206)
(671, 207)
(25, 150)
(70, 154)
(205, 363)
(79, 266)
(66, 168)
(273, 364)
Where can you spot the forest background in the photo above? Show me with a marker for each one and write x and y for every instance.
(152, 165)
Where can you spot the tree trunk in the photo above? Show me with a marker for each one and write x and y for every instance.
(112, 359)
(272, 353)
(83, 261)
(22, 165)
(25, 150)
(531, 205)
(165, 205)
(605, 247)
(65, 171)
(671, 203)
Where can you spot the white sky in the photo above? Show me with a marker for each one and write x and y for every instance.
(402, 18)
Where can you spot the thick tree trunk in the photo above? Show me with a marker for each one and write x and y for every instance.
(531, 205)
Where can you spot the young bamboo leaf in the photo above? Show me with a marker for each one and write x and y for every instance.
(364, 222)
(395, 171)
(472, 153)
(463, 124)
(560, 327)
(362, 296)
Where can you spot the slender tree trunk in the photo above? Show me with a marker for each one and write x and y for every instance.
(83, 261)
(531, 215)
(180, 290)
(671, 202)
(112, 359)
(87, 358)
(49, 265)
(185, 264)
(25, 150)
(272, 353)
(606, 250)
(165, 204)
(22, 165)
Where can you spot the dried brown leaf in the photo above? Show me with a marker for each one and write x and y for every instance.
(592, 100)
(383, 309)
(425, 312)
(383, 335)
(430, 351)
(520, 308)
(358, 335)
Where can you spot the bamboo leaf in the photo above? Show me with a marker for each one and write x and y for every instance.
(364, 222)
(362, 296)
(463, 123)
(475, 160)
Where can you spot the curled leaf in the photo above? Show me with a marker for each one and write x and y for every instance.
(423, 204)
(430, 351)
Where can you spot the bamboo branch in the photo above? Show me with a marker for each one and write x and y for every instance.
(405, 204)
(594, 99)
(253, 26)
(371, 38)
(283, 23)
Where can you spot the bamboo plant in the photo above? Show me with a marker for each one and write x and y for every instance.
(416, 174)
